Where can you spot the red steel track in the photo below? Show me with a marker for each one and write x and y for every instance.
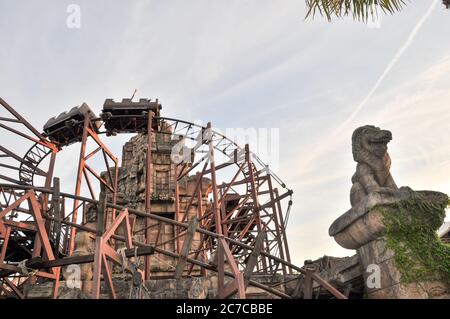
(38, 222)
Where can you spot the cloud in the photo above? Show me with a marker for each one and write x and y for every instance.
(420, 153)
(342, 126)
(389, 67)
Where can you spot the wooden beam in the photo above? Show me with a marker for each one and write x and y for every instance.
(107, 276)
(238, 283)
(187, 244)
(308, 285)
(14, 288)
(20, 225)
(328, 287)
(253, 258)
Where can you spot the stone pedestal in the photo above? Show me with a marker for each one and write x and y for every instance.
(390, 279)
(363, 228)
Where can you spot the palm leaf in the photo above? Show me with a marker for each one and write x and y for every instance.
(359, 9)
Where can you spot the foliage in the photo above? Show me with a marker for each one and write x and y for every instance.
(411, 233)
(359, 9)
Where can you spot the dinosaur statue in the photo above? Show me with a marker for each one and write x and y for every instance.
(369, 148)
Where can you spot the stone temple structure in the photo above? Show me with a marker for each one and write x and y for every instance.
(131, 185)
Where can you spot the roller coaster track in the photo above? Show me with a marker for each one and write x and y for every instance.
(254, 214)
(29, 167)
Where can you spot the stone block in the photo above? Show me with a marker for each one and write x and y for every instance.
(399, 291)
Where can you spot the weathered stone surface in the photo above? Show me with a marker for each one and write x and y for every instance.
(44, 291)
(369, 148)
(375, 252)
(399, 291)
(363, 222)
(183, 288)
(344, 273)
(421, 290)
(83, 245)
(131, 185)
(373, 196)
(391, 285)
(389, 275)
(38, 291)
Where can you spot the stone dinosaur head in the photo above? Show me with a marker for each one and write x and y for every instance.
(370, 140)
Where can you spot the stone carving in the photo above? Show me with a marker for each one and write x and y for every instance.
(369, 148)
(375, 197)
(132, 186)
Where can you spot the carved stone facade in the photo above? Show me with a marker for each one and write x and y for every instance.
(131, 185)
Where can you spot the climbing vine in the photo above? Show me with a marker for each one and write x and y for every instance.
(411, 226)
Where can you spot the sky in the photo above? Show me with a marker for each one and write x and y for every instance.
(249, 64)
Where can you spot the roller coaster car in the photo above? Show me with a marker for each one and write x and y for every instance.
(67, 128)
(128, 116)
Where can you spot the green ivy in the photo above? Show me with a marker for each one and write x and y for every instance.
(411, 233)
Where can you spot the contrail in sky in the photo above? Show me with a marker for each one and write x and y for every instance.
(331, 139)
(389, 67)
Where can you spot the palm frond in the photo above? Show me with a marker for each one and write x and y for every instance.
(359, 9)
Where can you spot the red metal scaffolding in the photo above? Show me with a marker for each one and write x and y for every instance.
(243, 231)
